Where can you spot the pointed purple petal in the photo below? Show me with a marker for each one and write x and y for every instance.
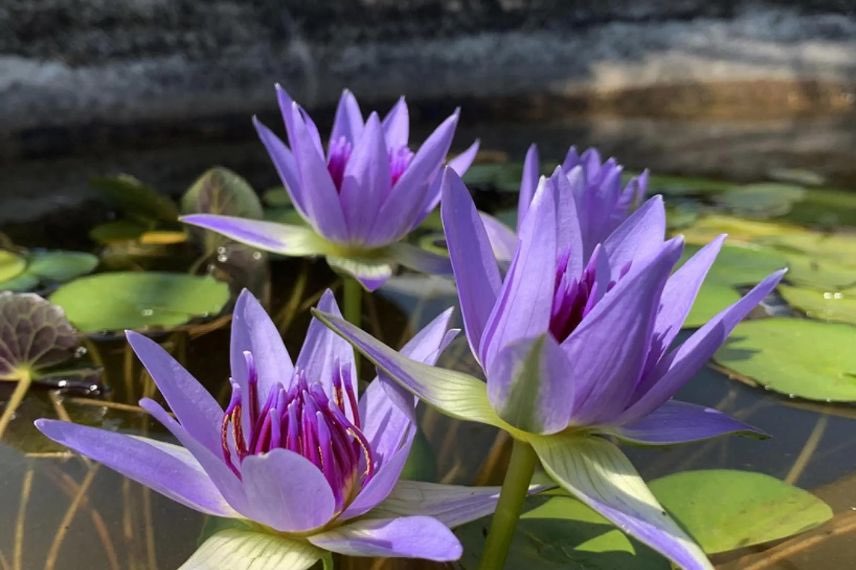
(503, 240)
(569, 225)
(348, 122)
(324, 353)
(680, 365)
(396, 125)
(463, 161)
(254, 331)
(608, 349)
(528, 384)
(283, 239)
(285, 165)
(366, 181)
(524, 304)
(528, 182)
(279, 484)
(168, 469)
(475, 269)
(598, 474)
(409, 537)
(196, 409)
(680, 422)
(639, 237)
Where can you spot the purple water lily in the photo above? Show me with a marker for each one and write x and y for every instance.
(361, 196)
(594, 185)
(295, 453)
(577, 349)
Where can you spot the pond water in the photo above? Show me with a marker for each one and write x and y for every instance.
(58, 511)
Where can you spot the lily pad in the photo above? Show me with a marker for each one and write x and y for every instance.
(685, 185)
(739, 229)
(51, 266)
(557, 531)
(34, 334)
(222, 191)
(825, 305)
(797, 357)
(11, 265)
(747, 508)
(138, 300)
(116, 231)
(135, 199)
(827, 207)
(819, 272)
(764, 200)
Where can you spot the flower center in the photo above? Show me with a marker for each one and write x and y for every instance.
(340, 152)
(303, 419)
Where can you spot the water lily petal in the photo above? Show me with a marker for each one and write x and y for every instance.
(238, 549)
(411, 537)
(529, 386)
(366, 181)
(279, 483)
(284, 239)
(462, 162)
(284, 163)
(475, 269)
(396, 125)
(677, 367)
(453, 505)
(523, 307)
(454, 393)
(348, 122)
(503, 240)
(680, 422)
(168, 469)
(196, 409)
(324, 352)
(597, 473)
(638, 237)
(604, 370)
(371, 273)
(528, 182)
(420, 260)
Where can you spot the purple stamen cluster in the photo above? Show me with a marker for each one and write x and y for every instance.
(304, 419)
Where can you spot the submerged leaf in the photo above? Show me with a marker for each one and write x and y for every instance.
(221, 191)
(749, 508)
(798, 357)
(34, 334)
(136, 300)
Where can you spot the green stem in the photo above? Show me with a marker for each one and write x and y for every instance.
(353, 301)
(18, 394)
(327, 561)
(515, 487)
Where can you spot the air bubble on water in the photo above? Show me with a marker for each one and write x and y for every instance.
(147, 312)
(221, 250)
(80, 351)
(792, 396)
(62, 383)
(257, 255)
(222, 258)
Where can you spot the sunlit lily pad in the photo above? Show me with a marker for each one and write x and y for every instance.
(735, 266)
(34, 334)
(50, 267)
(556, 531)
(819, 272)
(135, 199)
(11, 265)
(798, 357)
(824, 305)
(826, 207)
(725, 509)
(764, 200)
(839, 247)
(137, 300)
(738, 229)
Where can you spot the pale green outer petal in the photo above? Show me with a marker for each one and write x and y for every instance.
(235, 549)
(284, 239)
(597, 473)
(454, 393)
(371, 272)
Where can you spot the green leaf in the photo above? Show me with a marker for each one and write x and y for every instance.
(11, 265)
(749, 508)
(825, 305)
(276, 197)
(234, 549)
(61, 266)
(116, 231)
(798, 357)
(135, 199)
(764, 200)
(34, 334)
(556, 531)
(137, 300)
(221, 191)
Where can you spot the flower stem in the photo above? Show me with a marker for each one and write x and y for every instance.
(353, 301)
(23, 385)
(514, 490)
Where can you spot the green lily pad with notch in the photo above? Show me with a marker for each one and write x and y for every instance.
(139, 300)
(798, 357)
(51, 267)
(556, 531)
(824, 305)
(763, 200)
(135, 199)
(734, 266)
(728, 509)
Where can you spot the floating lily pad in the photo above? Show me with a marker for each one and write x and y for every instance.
(797, 357)
(734, 266)
(818, 272)
(738, 229)
(827, 207)
(34, 334)
(11, 265)
(838, 247)
(796, 176)
(51, 266)
(135, 199)
(725, 509)
(137, 300)
(556, 531)
(685, 185)
(826, 305)
(116, 231)
(764, 200)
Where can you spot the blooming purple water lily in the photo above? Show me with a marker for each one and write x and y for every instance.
(361, 196)
(577, 349)
(309, 466)
(594, 185)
